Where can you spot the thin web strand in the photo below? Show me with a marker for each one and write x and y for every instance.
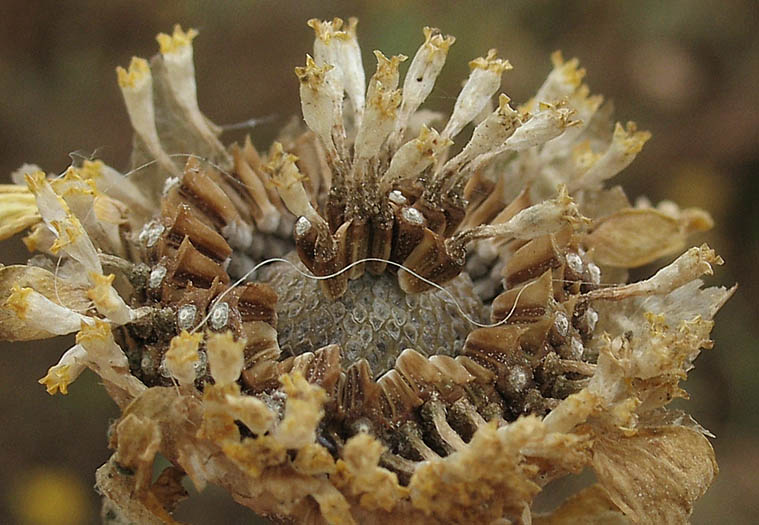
(347, 268)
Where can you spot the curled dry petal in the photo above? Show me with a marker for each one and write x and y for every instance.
(62, 302)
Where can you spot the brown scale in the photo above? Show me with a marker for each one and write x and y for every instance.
(428, 404)
(374, 226)
(188, 253)
(427, 407)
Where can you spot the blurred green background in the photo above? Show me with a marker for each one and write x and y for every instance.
(686, 70)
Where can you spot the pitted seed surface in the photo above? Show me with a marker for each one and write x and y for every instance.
(375, 319)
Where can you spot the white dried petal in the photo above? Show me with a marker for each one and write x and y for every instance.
(562, 81)
(339, 48)
(488, 136)
(413, 158)
(177, 54)
(70, 236)
(40, 313)
(547, 123)
(692, 264)
(137, 88)
(381, 109)
(544, 218)
(482, 84)
(422, 73)
(66, 371)
(625, 145)
(107, 301)
(321, 99)
(115, 184)
(541, 219)
(106, 358)
(286, 178)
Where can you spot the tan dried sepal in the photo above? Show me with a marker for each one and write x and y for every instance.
(634, 237)
(118, 489)
(590, 506)
(655, 476)
(139, 439)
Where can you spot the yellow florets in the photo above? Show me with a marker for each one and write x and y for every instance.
(491, 63)
(138, 71)
(18, 210)
(178, 40)
(18, 301)
(326, 30)
(57, 379)
(630, 138)
(312, 74)
(436, 42)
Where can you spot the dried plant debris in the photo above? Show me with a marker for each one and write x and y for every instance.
(448, 335)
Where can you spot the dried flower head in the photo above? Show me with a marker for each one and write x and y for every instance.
(443, 332)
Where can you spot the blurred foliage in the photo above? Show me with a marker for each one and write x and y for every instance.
(683, 69)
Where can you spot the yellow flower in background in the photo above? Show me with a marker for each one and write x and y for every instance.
(49, 497)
